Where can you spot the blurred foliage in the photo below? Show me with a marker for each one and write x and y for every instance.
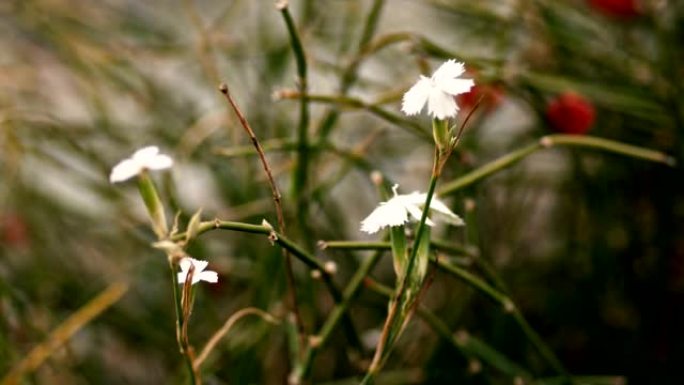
(588, 243)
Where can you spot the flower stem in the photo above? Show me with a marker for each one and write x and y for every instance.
(349, 75)
(468, 345)
(286, 244)
(390, 332)
(509, 307)
(181, 328)
(374, 109)
(550, 141)
(333, 319)
(301, 171)
(289, 272)
(453, 249)
(232, 320)
(155, 208)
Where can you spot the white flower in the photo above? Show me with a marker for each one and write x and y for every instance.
(147, 158)
(199, 274)
(398, 210)
(438, 91)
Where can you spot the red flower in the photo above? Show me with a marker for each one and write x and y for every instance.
(618, 8)
(491, 97)
(570, 113)
(13, 230)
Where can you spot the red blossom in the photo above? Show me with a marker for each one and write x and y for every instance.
(570, 113)
(618, 8)
(13, 230)
(491, 97)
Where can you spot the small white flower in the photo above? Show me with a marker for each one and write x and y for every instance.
(399, 209)
(199, 274)
(147, 158)
(438, 91)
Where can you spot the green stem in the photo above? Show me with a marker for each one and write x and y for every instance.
(550, 141)
(285, 243)
(347, 101)
(509, 307)
(184, 350)
(496, 295)
(465, 343)
(155, 208)
(350, 73)
(301, 171)
(434, 244)
(336, 314)
(608, 145)
(389, 333)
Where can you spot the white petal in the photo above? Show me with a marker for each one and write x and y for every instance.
(150, 158)
(199, 274)
(416, 213)
(126, 169)
(199, 265)
(415, 98)
(456, 86)
(159, 162)
(185, 264)
(145, 154)
(414, 198)
(449, 70)
(387, 214)
(208, 276)
(441, 105)
(145, 158)
(449, 215)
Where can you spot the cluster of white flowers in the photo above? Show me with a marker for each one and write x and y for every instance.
(438, 91)
(401, 208)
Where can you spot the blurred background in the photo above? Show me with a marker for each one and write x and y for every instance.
(589, 244)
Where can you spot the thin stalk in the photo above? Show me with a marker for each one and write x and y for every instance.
(153, 203)
(434, 244)
(550, 141)
(509, 307)
(608, 145)
(227, 326)
(301, 171)
(468, 345)
(62, 333)
(324, 334)
(386, 340)
(289, 273)
(351, 102)
(181, 321)
(205, 47)
(286, 244)
(350, 72)
(482, 286)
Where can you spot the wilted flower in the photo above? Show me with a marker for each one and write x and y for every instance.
(438, 91)
(400, 208)
(147, 158)
(570, 113)
(199, 274)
